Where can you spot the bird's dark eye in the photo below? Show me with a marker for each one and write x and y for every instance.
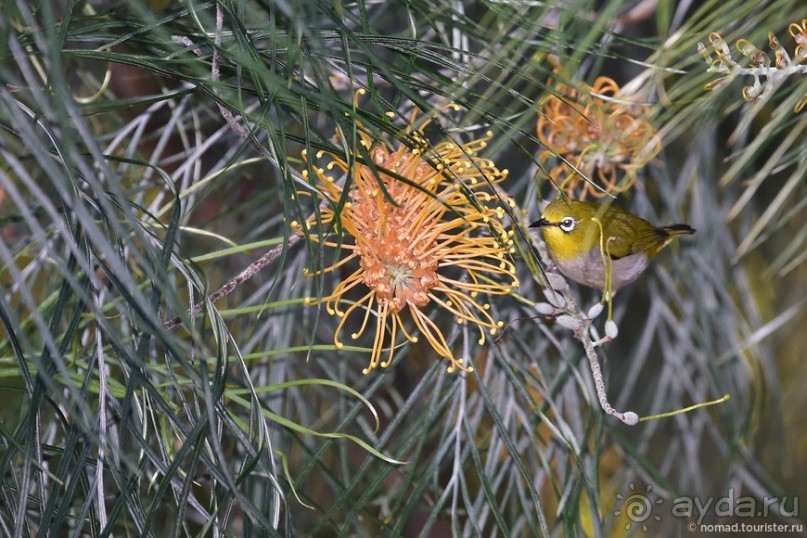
(567, 224)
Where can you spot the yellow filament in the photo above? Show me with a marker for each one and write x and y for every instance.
(725, 397)
(608, 267)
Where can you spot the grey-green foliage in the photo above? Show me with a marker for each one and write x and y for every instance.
(121, 208)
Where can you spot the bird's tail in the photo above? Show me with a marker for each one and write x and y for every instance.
(675, 229)
(667, 233)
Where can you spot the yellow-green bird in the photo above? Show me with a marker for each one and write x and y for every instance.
(577, 233)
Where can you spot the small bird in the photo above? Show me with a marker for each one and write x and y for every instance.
(577, 241)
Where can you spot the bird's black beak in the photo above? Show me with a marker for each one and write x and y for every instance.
(540, 223)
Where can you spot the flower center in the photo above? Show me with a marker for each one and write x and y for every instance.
(398, 277)
(396, 239)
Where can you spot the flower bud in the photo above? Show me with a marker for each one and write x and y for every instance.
(545, 309)
(557, 282)
(594, 311)
(569, 322)
(554, 298)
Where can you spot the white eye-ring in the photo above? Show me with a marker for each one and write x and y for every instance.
(567, 224)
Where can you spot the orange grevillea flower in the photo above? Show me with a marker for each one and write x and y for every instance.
(600, 133)
(426, 237)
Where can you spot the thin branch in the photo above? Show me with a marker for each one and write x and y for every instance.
(237, 280)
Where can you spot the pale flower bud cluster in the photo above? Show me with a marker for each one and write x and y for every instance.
(560, 305)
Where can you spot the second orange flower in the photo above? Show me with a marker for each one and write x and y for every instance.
(598, 132)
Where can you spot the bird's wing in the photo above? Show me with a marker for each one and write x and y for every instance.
(632, 234)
